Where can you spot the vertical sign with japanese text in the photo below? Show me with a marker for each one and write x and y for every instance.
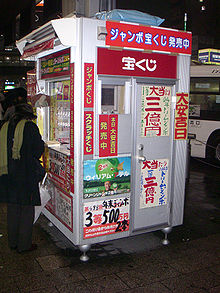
(105, 217)
(104, 145)
(31, 84)
(113, 135)
(154, 183)
(88, 103)
(155, 111)
(108, 135)
(72, 127)
(181, 116)
(88, 85)
(88, 132)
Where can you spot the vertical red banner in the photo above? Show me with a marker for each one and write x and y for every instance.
(31, 83)
(88, 132)
(104, 145)
(72, 127)
(113, 135)
(88, 85)
(181, 116)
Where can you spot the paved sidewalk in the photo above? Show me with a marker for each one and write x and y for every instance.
(191, 263)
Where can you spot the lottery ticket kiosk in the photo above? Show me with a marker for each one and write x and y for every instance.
(112, 104)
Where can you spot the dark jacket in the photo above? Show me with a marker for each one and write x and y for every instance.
(20, 185)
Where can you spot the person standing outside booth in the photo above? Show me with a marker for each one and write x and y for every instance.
(21, 147)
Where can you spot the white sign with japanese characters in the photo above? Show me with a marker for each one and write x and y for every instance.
(107, 216)
(155, 111)
(154, 183)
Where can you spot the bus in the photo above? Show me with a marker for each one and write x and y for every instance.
(204, 112)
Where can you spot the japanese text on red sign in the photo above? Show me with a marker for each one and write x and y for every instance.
(181, 116)
(155, 111)
(154, 181)
(108, 135)
(148, 38)
(88, 132)
(88, 85)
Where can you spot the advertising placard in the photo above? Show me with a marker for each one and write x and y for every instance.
(181, 116)
(155, 110)
(106, 177)
(105, 217)
(59, 168)
(60, 204)
(148, 38)
(56, 64)
(64, 208)
(154, 183)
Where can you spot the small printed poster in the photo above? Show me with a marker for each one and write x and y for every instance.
(64, 208)
(105, 217)
(155, 111)
(181, 116)
(106, 177)
(154, 183)
(60, 204)
(59, 167)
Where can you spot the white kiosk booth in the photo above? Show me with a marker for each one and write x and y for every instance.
(112, 103)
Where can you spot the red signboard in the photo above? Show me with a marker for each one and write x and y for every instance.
(148, 38)
(103, 136)
(113, 135)
(38, 48)
(181, 116)
(88, 132)
(88, 85)
(136, 63)
(72, 127)
(31, 83)
(55, 65)
(108, 135)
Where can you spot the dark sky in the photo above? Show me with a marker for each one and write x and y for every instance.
(200, 23)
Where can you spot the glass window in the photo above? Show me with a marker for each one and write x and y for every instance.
(60, 111)
(205, 106)
(113, 99)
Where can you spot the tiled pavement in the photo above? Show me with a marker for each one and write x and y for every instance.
(191, 263)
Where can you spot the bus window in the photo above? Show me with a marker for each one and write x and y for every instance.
(204, 112)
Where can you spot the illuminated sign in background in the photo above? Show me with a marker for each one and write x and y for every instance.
(209, 56)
